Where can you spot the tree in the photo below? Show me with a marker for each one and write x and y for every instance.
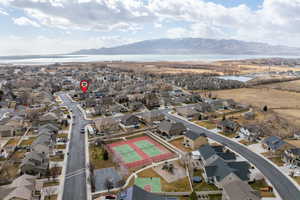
(105, 155)
(265, 108)
(193, 196)
(108, 184)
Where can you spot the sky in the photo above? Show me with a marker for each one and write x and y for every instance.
(63, 26)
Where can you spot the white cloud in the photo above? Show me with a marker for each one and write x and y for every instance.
(103, 15)
(24, 21)
(3, 12)
(20, 45)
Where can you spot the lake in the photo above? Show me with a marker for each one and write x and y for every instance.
(236, 78)
(137, 58)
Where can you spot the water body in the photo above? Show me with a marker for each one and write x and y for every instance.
(136, 58)
(236, 78)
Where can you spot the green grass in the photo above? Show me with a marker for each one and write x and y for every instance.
(215, 196)
(257, 185)
(128, 154)
(149, 148)
(153, 182)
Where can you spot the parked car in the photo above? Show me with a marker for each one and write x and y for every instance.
(82, 131)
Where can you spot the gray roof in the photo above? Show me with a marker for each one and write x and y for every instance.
(193, 135)
(206, 151)
(168, 126)
(238, 190)
(274, 142)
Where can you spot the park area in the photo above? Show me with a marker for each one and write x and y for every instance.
(139, 152)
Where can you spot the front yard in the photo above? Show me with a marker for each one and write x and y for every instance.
(27, 142)
(276, 159)
(178, 143)
(57, 158)
(206, 124)
(260, 184)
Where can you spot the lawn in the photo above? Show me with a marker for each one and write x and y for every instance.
(274, 158)
(9, 171)
(297, 179)
(57, 158)
(50, 183)
(96, 158)
(257, 185)
(60, 146)
(12, 142)
(27, 142)
(51, 197)
(206, 124)
(181, 185)
(178, 143)
(62, 135)
(203, 186)
(215, 196)
(19, 155)
(230, 135)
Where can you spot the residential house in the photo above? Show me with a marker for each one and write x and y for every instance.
(239, 190)
(250, 132)
(49, 117)
(35, 163)
(151, 101)
(292, 157)
(220, 166)
(171, 128)
(228, 126)
(274, 144)
(153, 116)
(188, 112)
(23, 187)
(129, 121)
(107, 125)
(194, 140)
(203, 107)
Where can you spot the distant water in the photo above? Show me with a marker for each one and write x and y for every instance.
(236, 78)
(137, 58)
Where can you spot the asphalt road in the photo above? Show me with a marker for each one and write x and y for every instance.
(286, 189)
(75, 181)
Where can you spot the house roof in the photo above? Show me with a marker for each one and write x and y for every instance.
(193, 135)
(206, 151)
(274, 142)
(238, 190)
(169, 126)
(295, 151)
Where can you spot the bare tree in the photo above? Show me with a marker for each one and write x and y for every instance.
(108, 184)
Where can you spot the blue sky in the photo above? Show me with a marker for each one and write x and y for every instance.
(59, 26)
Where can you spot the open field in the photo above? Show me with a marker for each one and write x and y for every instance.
(285, 104)
(289, 86)
(220, 68)
(96, 158)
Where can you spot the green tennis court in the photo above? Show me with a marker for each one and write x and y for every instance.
(144, 183)
(128, 154)
(149, 148)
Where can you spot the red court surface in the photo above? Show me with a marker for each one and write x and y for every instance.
(139, 152)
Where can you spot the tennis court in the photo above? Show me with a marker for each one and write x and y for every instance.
(149, 148)
(138, 152)
(149, 184)
(128, 154)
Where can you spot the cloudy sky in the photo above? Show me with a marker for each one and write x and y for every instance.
(59, 26)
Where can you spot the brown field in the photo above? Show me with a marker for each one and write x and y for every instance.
(289, 86)
(284, 103)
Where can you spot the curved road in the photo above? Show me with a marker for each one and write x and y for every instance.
(286, 189)
(75, 180)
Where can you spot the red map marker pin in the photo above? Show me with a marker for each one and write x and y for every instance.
(84, 85)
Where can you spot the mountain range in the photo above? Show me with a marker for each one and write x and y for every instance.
(194, 46)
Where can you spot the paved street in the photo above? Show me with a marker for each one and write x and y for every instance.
(286, 189)
(75, 185)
